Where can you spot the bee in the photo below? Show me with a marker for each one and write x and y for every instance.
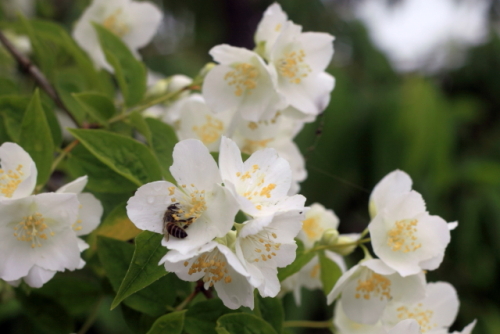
(172, 225)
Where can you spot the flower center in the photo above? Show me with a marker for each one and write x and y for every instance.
(32, 229)
(315, 271)
(10, 180)
(312, 228)
(214, 266)
(402, 236)
(263, 245)
(374, 285)
(243, 78)
(114, 23)
(256, 184)
(421, 315)
(191, 206)
(254, 145)
(210, 131)
(293, 67)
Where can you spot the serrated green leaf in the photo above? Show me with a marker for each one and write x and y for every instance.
(330, 272)
(140, 124)
(163, 142)
(144, 268)
(271, 310)
(201, 318)
(171, 323)
(124, 155)
(243, 323)
(36, 139)
(302, 258)
(98, 106)
(129, 72)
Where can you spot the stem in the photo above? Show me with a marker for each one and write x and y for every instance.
(310, 324)
(63, 154)
(91, 318)
(37, 75)
(358, 242)
(199, 288)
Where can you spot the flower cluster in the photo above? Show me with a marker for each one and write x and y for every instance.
(197, 217)
(389, 294)
(40, 232)
(260, 98)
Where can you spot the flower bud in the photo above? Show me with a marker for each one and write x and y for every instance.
(344, 250)
(204, 71)
(330, 237)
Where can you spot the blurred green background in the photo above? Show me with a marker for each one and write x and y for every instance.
(443, 130)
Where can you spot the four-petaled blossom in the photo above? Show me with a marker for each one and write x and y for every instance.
(261, 183)
(388, 190)
(241, 82)
(134, 22)
(17, 172)
(368, 287)
(204, 208)
(218, 266)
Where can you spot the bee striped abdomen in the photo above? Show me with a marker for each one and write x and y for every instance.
(176, 231)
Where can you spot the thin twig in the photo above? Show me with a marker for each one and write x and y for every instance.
(64, 152)
(199, 288)
(309, 324)
(37, 75)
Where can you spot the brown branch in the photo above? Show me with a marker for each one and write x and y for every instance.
(37, 75)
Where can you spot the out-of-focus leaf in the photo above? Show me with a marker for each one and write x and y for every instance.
(330, 272)
(139, 323)
(137, 120)
(271, 310)
(99, 106)
(163, 142)
(171, 323)
(243, 323)
(201, 318)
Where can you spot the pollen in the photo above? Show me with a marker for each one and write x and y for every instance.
(262, 246)
(293, 67)
(32, 229)
(210, 131)
(402, 238)
(312, 227)
(243, 78)
(250, 146)
(171, 191)
(115, 24)
(374, 285)
(266, 191)
(77, 226)
(420, 314)
(315, 271)
(213, 265)
(10, 180)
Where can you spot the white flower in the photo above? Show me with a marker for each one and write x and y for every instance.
(345, 325)
(90, 209)
(318, 220)
(134, 22)
(261, 183)
(241, 82)
(207, 208)
(269, 28)
(265, 244)
(219, 267)
(299, 61)
(37, 237)
(368, 287)
(425, 35)
(158, 85)
(17, 172)
(406, 237)
(435, 312)
(392, 186)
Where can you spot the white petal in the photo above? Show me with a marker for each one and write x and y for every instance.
(38, 276)
(341, 283)
(408, 326)
(318, 47)
(388, 189)
(90, 213)
(144, 21)
(270, 26)
(75, 186)
(348, 326)
(16, 162)
(318, 220)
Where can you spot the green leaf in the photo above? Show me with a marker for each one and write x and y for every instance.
(171, 323)
(163, 142)
(140, 124)
(201, 318)
(139, 323)
(144, 268)
(271, 310)
(99, 106)
(129, 72)
(302, 258)
(243, 323)
(36, 139)
(330, 272)
(12, 110)
(124, 155)
(101, 177)
(115, 256)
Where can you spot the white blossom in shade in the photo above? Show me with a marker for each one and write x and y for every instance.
(158, 85)
(270, 26)
(218, 266)
(195, 120)
(299, 60)
(90, 209)
(435, 312)
(425, 35)
(367, 288)
(407, 238)
(388, 190)
(17, 172)
(134, 22)
(277, 133)
(408, 326)
(199, 197)
(37, 237)
(265, 244)
(261, 183)
(318, 220)
(241, 82)
(344, 325)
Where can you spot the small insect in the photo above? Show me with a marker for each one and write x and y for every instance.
(172, 225)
